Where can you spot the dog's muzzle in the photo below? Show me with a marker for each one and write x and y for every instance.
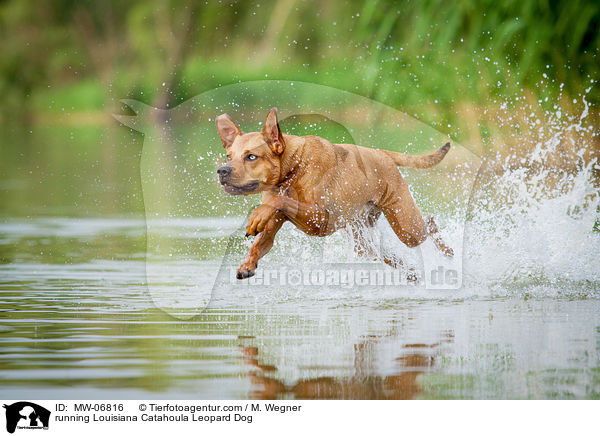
(224, 178)
(224, 172)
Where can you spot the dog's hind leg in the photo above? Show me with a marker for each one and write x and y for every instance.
(406, 220)
(433, 232)
(261, 246)
(363, 248)
(366, 220)
(403, 215)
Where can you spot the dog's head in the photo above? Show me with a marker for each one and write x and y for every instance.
(253, 159)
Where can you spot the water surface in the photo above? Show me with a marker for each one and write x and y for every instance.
(81, 323)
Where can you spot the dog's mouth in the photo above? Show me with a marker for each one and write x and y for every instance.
(239, 190)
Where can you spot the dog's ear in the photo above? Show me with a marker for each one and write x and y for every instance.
(272, 133)
(228, 129)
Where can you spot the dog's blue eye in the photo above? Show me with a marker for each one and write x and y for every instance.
(228, 157)
(251, 157)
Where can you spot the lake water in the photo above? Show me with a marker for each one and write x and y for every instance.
(78, 321)
(106, 293)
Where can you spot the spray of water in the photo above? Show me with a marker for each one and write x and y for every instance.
(531, 218)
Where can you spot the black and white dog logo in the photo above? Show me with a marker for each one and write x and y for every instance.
(26, 415)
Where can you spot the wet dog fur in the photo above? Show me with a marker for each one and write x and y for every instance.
(320, 187)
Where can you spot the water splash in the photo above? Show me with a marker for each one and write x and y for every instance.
(531, 219)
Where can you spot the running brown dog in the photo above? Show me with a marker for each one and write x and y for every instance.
(320, 187)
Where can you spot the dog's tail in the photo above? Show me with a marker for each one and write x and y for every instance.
(419, 162)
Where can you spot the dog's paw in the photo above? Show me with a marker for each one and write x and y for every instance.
(448, 252)
(258, 219)
(245, 271)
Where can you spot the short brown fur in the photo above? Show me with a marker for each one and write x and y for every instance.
(320, 187)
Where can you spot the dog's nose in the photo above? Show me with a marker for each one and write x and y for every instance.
(224, 171)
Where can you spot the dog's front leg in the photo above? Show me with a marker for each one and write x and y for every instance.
(258, 219)
(310, 218)
(261, 246)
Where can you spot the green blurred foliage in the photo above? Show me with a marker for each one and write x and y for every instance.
(67, 55)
